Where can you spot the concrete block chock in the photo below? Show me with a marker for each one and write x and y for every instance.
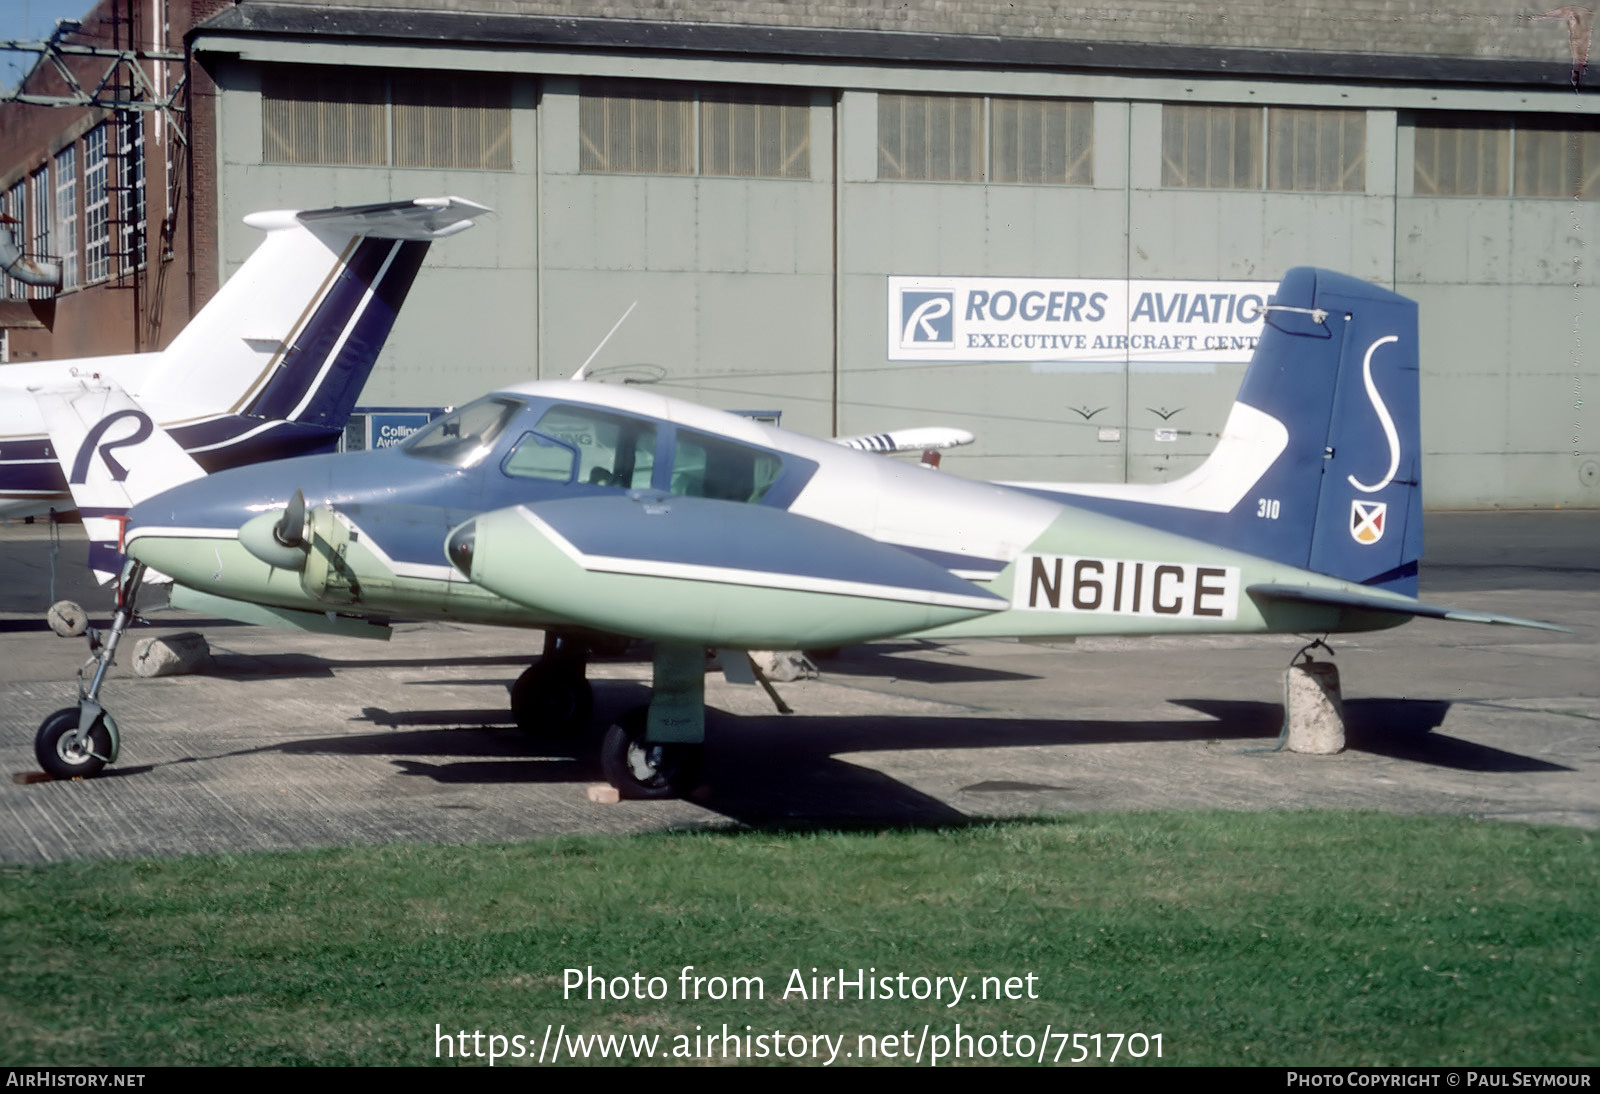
(174, 655)
(1313, 709)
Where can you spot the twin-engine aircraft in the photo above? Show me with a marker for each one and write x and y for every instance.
(269, 368)
(589, 510)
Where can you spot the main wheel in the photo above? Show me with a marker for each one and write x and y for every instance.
(552, 699)
(62, 755)
(644, 771)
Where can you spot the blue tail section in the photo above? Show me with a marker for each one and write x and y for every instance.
(321, 375)
(1320, 464)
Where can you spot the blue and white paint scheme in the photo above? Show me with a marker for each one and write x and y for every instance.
(269, 368)
(589, 508)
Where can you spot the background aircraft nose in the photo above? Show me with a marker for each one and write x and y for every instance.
(458, 547)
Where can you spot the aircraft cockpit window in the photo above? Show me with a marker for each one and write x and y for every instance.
(712, 467)
(465, 436)
(539, 457)
(611, 450)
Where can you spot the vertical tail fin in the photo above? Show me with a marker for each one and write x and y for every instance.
(114, 456)
(1319, 465)
(294, 334)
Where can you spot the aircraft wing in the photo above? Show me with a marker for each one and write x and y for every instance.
(113, 454)
(708, 572)
(1388, 603)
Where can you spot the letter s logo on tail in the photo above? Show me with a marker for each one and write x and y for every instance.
(1384, 419)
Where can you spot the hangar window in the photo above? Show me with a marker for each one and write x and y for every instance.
(324, 116)
(41, 213)
(955, 138)
(638, 127)
(1250, 148)
(451, 120)
(1462, 156)
(1554, 160)
(363, 118)
(96, 206)
(1469, 155)
(11, 203)
(67, 211)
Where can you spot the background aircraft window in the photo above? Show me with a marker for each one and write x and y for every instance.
(464, 437)
(612, 450)
(539, 457)
(710, 467)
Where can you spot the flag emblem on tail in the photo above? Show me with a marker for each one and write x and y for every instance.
(1366, 520)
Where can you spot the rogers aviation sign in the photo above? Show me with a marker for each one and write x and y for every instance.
(1060, 319)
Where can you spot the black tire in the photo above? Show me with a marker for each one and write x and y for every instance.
(645, 772)
(552, 699)
(61, 762)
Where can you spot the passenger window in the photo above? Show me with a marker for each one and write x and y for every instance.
(611, 450)
(711, 467)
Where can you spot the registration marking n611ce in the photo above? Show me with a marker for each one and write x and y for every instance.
(1118, 586)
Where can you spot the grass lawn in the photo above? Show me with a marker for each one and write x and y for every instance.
(1302, 938)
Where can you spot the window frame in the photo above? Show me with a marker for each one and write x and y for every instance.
(1515, 132)
(602, 102)
(1260, 121)
(373, 118)
(983, 146)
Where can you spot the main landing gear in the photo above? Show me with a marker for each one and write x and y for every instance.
(553, 699)
(650, 752)
(76, 742)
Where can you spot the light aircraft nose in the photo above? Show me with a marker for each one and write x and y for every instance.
(458, 546)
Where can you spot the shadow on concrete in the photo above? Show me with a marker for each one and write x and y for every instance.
(1401, 729)
(777, 771)
(879, 660)
(247, 666)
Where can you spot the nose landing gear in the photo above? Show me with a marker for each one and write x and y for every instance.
(77, 742)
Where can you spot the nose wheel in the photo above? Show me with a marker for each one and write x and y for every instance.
(66, 750)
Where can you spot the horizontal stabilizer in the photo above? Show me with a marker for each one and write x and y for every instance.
(1394, 605)
(419, 218)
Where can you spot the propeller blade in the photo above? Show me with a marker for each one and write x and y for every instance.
(291, 530)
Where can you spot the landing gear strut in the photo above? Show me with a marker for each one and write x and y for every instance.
(654, 752)
(76, 742)
(553, 699)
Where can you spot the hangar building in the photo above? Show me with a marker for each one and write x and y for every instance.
(789, 188)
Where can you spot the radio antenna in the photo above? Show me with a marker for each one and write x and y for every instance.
(583, 367)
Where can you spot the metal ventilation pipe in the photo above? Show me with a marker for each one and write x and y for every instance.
(15, 264)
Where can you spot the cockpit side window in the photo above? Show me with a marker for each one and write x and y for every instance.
(464, 437)
(537, 456)
(714, 467)
(611, 450)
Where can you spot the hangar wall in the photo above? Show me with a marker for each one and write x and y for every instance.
(769, 293)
